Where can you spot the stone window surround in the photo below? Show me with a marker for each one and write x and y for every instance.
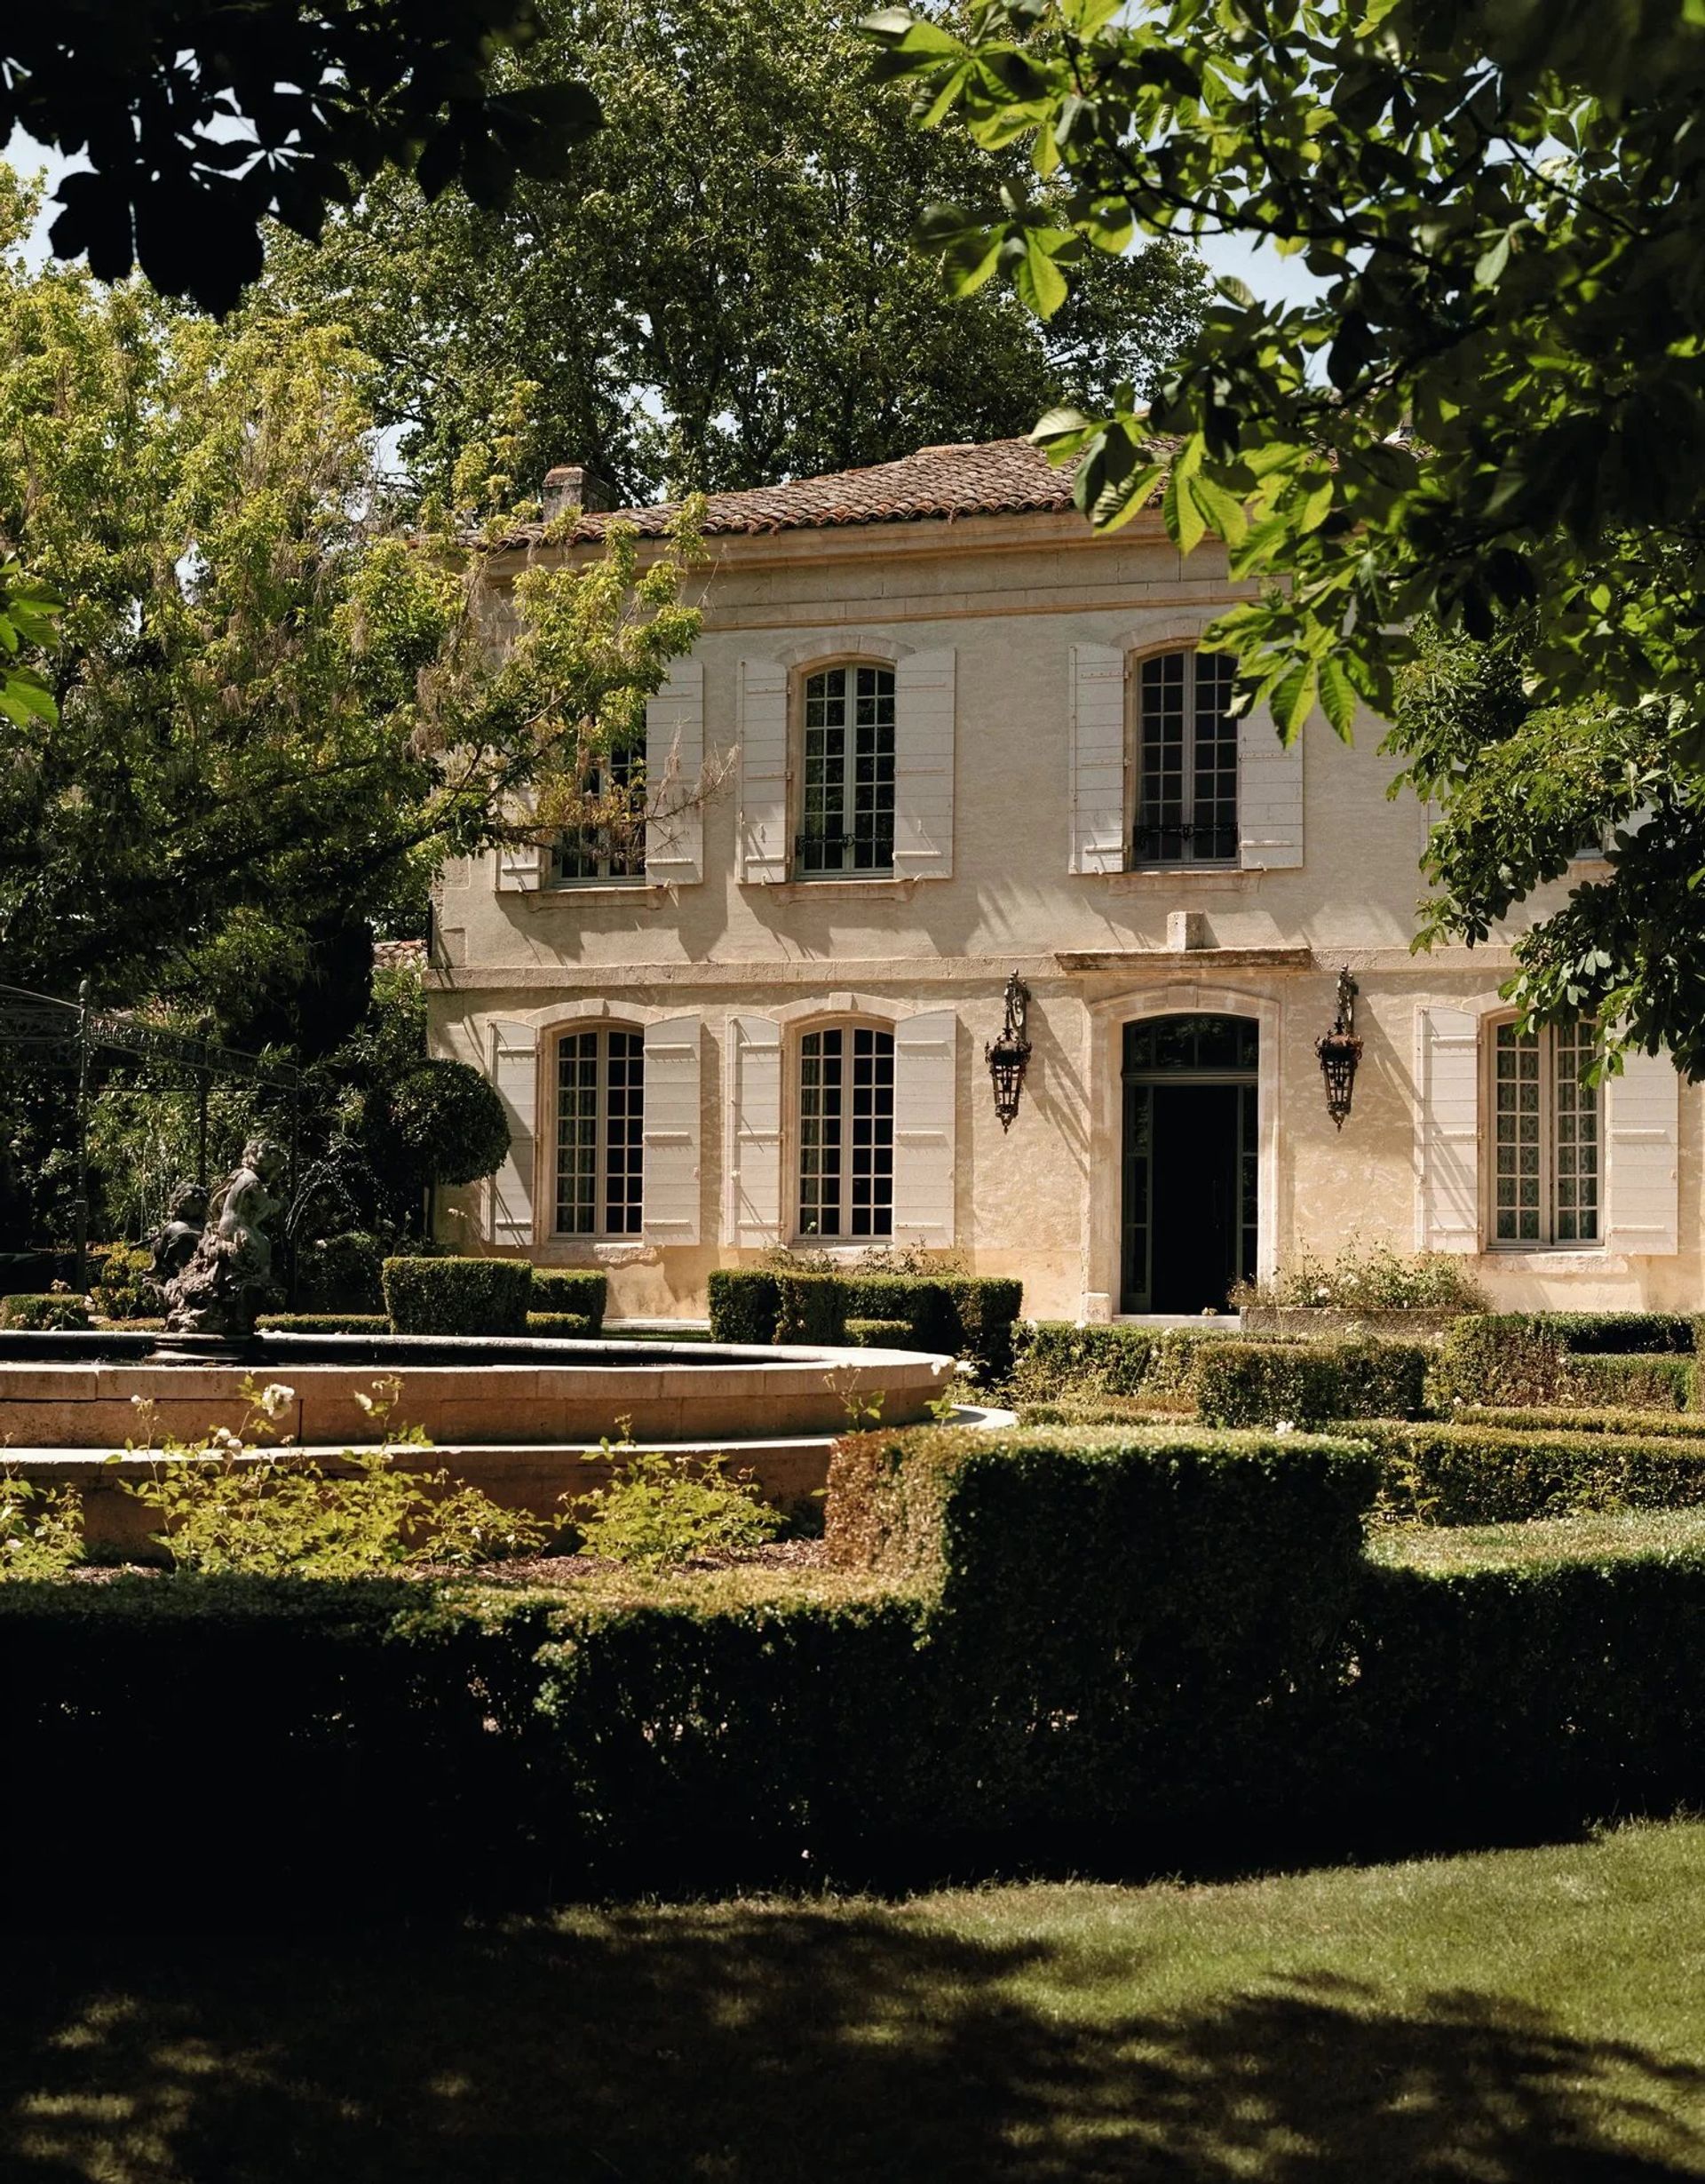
(854, 647)
(1591, 1250)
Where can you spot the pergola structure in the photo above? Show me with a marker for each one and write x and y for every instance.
(69, 1033)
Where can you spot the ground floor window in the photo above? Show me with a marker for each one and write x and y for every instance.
(600, 1161)
(1547, 1136)
(846, 1132)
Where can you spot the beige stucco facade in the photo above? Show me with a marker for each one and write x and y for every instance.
(1017, 628)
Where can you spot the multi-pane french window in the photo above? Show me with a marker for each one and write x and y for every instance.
(846, 1132)
(614, 846)
(601, 1110)
(1547, 1137)
(847, 801)
(1187, 761)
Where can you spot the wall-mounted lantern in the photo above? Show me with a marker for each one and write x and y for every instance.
(1340, 1050)
(1006, 1056)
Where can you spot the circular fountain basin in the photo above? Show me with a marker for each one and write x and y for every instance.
(95, 1390)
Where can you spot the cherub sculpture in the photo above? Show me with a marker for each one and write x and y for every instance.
(228, 1273)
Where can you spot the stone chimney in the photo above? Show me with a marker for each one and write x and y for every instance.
(571, 486)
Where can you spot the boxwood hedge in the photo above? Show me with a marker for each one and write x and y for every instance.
(969, 1316)
(1631, 1360)
(1452, 1474)
(582, 1291)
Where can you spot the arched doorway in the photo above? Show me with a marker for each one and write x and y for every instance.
(1191, 1162)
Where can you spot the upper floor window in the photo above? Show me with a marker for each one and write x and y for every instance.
(1547, 1137)
(846, 1132)
(1186, 771)
(846, 811)
(614, 847)
(600, 1110)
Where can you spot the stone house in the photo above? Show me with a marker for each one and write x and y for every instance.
(959, 738)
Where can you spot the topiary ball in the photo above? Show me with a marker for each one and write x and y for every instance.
(449, 1123)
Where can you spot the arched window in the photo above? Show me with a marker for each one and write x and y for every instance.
(846, 1132)
(1547, 1134)
(1186, 771)
(847, 809)
(600, 1110)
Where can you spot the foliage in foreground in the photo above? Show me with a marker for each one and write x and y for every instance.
(230, 1507)
(658, 1510)
(1487, 415)
(41, 1529)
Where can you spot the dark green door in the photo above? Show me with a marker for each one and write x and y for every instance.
(1190, 1162)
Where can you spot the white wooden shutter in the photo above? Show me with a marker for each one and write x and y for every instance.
(515, 1075)
(762, 771)
(669, 1130)
(520, 867)
(923, 722)
(674, 767)
(1269, 796)
(926, 1075)
(754, 1132)
(1098, 758)
(1447, 1076)
(1642, 1154)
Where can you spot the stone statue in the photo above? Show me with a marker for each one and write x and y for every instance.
(174, 1244)
(229, 1272)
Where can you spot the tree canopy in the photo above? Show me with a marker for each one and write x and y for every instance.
(1486, 430)
(199, 120)
(276, 708)
(724, 290)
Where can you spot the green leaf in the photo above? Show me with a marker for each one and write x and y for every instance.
(1221, 508)
(1338, 698)
(1292, 699)
(1488, 267)
(1039, 283)
(1184, 519)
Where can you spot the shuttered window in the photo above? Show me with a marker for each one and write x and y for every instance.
(1547, 1137)
(1187, 761)
(846, 1132)
(612, 848)
(847, 804)
(600, 1150)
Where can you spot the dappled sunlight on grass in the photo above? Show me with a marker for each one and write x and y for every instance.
(1521, 2018)
(1540, 1540)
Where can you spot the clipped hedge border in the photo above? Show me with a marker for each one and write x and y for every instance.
(458, 1296)
(1680, 1425)
(323, 1323)
(42, 1312)
(581, 1290)
(1631, 1360)
(879, 1334)
(1451, 1475)
(1309, 1383)
(969, 1316)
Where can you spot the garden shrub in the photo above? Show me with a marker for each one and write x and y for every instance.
(880, 1334)
(1088, 1411)
(1369, 1278)
(658, 1510)
(744, 1304)
(581, 1290)
(560, 1326)
(1543, 1358)
(323, 1323)
(457, 1296)
(1450, 1474)
(1059, 1360)
(123, 1287)
(344, 1273)
(49, 1312)
(1681, 1425)
(968, 1316)
(41, 1529)
(1307, 1382)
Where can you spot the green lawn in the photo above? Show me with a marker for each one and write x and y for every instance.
(1536, 2015)
(1586, 1538)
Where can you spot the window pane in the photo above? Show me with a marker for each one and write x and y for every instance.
(1516, 1212)
(872, 1211)
(1576, 1135)
(616, 849)
(847, 807)
(623, 1138)
(1187, 761)
(577, 1134)
(820, 1133)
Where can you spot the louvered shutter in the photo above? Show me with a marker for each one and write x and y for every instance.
(515, 1077)
(669, 1130)
(1098, 758)
(674, 764)
(1269, 796)
(1642, 1156)
(923, 723)
(762, 771)
(926, 1074)
(754, 1132)
(1447, 1074)
(520, 867)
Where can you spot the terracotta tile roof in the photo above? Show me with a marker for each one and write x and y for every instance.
(390, 955)
(980, 478)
